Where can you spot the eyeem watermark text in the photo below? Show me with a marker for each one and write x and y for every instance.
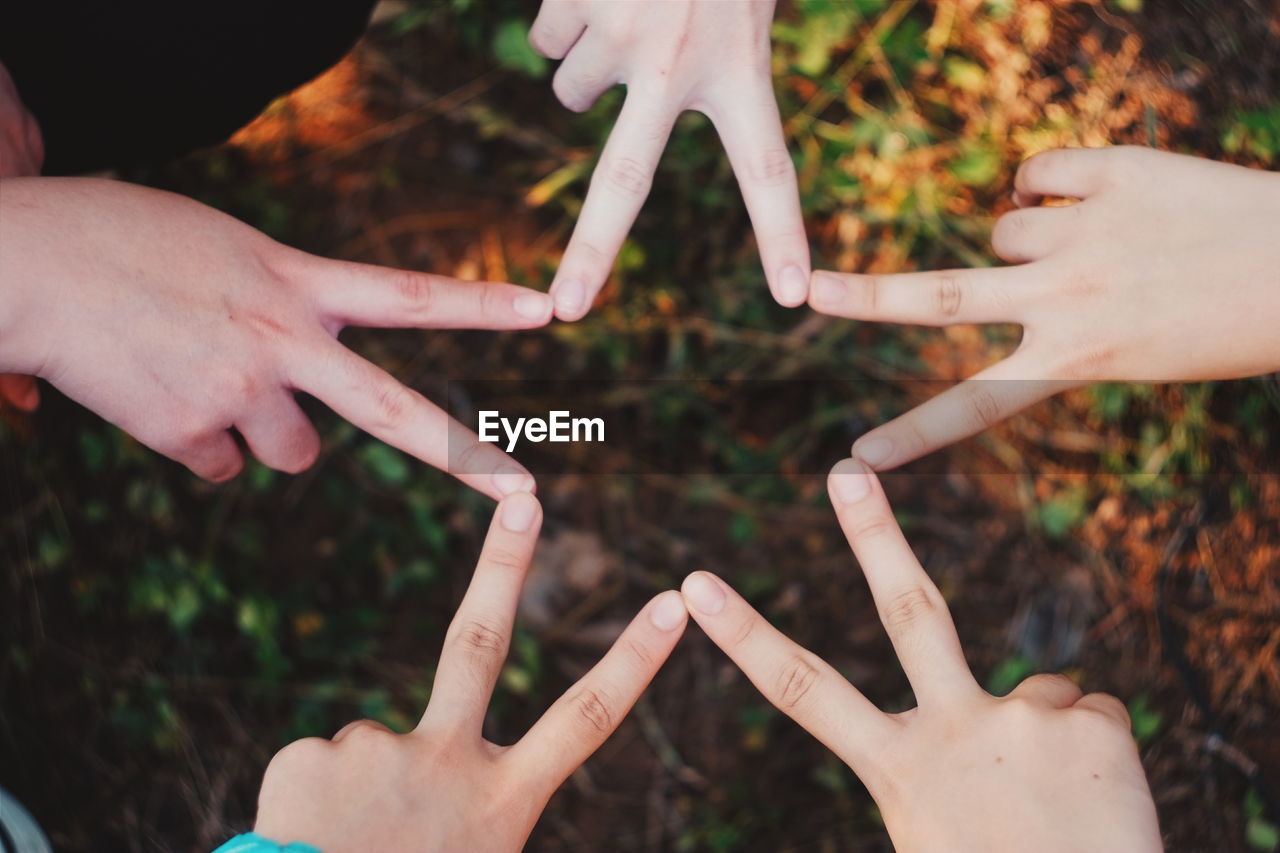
(558, 426)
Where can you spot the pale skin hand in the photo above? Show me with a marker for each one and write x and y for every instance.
(673, 55)
(1166, 269)
(443, 787)
(177, 323)
(21, 155)
(1042, 769)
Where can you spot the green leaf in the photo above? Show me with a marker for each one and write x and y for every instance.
(1008, 674)
(1062, 513)
(1146, 720)
(976, 167)
(512, 49)
(385, 463)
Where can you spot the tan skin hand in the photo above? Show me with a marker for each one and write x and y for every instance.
(443, 787)
(1043, 769)
(178, 323)
(707, 55)
(21, 155)
(1166, 268)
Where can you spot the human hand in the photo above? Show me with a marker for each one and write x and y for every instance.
(1167, 269)
(712, 56)
(21, 153)
(443, 786)
(176, 322)
(1042, 769)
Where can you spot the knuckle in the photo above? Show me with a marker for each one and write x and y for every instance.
(297, 756)
(1108, 707)
(392, 404)
(469, 459)
(593, 708)
(950, 295)
(628, 176)
(744, 630)
(771, 167)
(795, 680)
(983, 405)
(869, 290)
(872, 526)
(499, 557)
(367, 732)
(415, 289)
(642, 657)
(907, 609)
(482, 639)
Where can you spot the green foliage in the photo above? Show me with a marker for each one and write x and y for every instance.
(1254, 132)
(1146, 719)
(1008, 674)
(1063, 513)
(1259, 833)
(512, 49)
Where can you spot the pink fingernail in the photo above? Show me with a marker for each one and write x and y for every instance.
(850, 481)
(532, 306)
(702, 591)
(667, 612)
(873, 451)
(569, 296)
(793, 286)
(511, 479)
(518, 511)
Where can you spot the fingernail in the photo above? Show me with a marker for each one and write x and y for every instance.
(873, 451)
(532, 306)
(569, 296)
(667, 612)
(512, 479)
(518, 511)
(828, 289)
(850, 481)
(702, 591)
(793, 286)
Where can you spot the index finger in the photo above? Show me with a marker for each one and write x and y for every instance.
(963, 410)
(476, 643)
(370, 398)
(356, 294)
(584, 717)
(797, 682)
(751, 131)
(619, 186)
(912, 610)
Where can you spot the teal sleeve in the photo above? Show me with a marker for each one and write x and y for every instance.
(252, 842)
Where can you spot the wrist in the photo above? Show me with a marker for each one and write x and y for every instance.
(18, 349)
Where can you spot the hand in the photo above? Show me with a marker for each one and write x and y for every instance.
(707, 55)
(1167, 269)
(1041, 769)
(442, 786)
(21, 154)
(177, 322)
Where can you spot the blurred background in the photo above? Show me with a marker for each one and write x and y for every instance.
(163, 637)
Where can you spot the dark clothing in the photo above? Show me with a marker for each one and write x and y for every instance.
(129, 82)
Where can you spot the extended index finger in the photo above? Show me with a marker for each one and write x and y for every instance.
(476, 643)
(796, 681)
(372, 399)
(619, 186)
(580, 721)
